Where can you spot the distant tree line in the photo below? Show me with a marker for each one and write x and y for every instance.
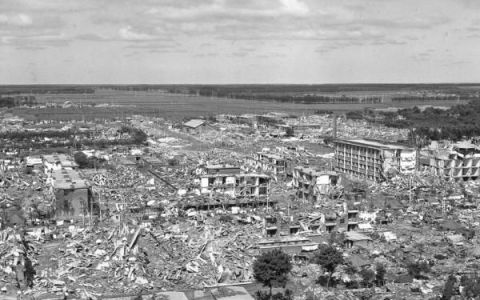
(12, 101)
(405, 99)
(277, 97)
(69, 138)
(435, 124)
(15, 90)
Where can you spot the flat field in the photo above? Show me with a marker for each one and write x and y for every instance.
(175, 106)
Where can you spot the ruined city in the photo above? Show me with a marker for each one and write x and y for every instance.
(239, 150)
(145, 207)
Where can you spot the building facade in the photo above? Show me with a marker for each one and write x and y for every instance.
(373, 160)
(461, 162)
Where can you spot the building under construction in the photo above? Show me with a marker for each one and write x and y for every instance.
(373, 160)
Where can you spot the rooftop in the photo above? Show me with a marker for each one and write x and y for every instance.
(194, 123)
(374, 144)
(68, 179)
(356, 236)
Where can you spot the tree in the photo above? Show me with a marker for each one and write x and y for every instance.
(416, 269)
(471, 286)
(289, 131)
(380, 275)
(368, 277)
(448, 290)
(329, 258)
(81, 159)
(271, 269)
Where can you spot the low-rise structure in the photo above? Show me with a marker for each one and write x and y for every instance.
(194, 126)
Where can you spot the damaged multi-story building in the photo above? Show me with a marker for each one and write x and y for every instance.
(373, 160)
(231, 181)
(314, 185)
(460, 162)
(267, 162)
(73, 194)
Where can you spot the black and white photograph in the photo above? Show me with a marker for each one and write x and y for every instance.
(239, 149)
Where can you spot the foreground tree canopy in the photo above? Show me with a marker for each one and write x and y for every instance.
(271, 269)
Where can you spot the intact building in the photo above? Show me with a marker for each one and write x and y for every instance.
(194, 126)
(373, 160)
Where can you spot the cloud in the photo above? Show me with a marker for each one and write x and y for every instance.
(91, 37)
(129, 34)
(16, 19)
(295, 7)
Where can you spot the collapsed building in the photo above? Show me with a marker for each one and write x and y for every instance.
(373, 160)
(461, 161)
(314, 185)
(267, 162)
(246, 188)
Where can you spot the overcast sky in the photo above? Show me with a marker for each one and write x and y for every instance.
(239, 41)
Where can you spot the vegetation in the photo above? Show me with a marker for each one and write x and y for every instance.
(81, 159)
(271, 269)
(368, 277)
(418, 269)
(471, 285)
(449, 289)
(12, 101)
(68, 138)
(85, 162)
(288, 295)
(380, 275)
(329, 258)
(435, 124)
(138, 136)
(289, 132)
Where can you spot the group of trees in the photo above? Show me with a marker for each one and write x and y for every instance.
(12, 101)
(138, 136)
(285, 97)
(403, 99)
(470, 287)
(272, 268)
(70, 138)
(434, 124)
(85, 162)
